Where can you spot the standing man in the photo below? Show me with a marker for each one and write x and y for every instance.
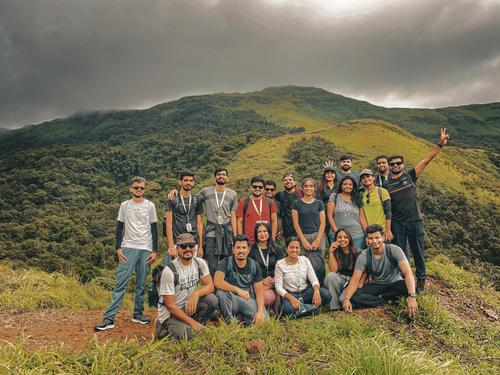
(136, 247)
(183, 215)
(345, 162)
(183, 308)
(376, 202)
(407, 223)
(285, 201)
(239, 285)
(256, 209)
(383, 170)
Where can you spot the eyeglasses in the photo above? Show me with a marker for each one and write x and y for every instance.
(138, 188)
(186, 246)
(257, 187)
(398, 163)
(367, 198)
(269, 189)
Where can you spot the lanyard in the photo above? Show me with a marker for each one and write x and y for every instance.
(266, 260)
(189, 205)
(259, 212)
(217, 200)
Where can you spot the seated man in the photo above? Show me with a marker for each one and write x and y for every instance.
(238, 280)
(383, 262)
(183, 308)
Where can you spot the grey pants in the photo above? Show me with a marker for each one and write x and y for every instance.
(316, 257)
(232, 305)
(206, 309)
(336, 285)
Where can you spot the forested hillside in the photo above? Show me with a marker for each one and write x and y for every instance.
(63, 180)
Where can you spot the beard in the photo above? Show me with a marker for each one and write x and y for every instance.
(345, 168)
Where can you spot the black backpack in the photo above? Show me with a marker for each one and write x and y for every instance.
(153, 296)
(388, 252)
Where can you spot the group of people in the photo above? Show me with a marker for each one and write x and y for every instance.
(358, 223)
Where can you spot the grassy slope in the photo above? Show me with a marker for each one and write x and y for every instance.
(438, 341)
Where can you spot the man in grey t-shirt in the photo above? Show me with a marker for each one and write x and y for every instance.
(183, 307)
(383, 263)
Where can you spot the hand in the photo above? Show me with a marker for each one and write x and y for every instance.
(412, 306)
(317, 298)
(279, 236)
(191, 304)
(306, 245)
(443, 137)
(295, 302)
(388, 236)
(121, 258)
(346, 305)
(172, 250)
(361, 284)
(197, 327)
(259, 317)
(268, 282)
(315, 245)
(151, 258)
(334, 245)
(243, 293)
(328, 163)
(173, 194)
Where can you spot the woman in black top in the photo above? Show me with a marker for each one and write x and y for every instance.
(341, 262)
(327, 186)
(266, 253)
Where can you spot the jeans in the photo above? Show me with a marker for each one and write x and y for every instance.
(411, 232)
(336, 284)
(360, 242)
(307, 296)
(136, 259)
(232, 305)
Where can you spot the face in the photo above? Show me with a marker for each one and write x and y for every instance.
(293, 249)
(382, 165)
(347, 186)
(257, 189)
(289, 182)
(187, 183)
(329, 176)
(345, 165)
(375, 240)
(241, 250)
(367, 179)
(269, 191)
(342, 239)
(185, 251)
(262, 234)
(308, 188)
(221, 178)
(396, 165)
(137, 189)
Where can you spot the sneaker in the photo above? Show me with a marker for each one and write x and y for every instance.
(420, 286)
(107, 323)
(141, 319)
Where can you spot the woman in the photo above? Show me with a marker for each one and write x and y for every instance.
(292, 276)
(341, 262)
(266, 253)
(308, 216)
(345, 210)
(327, 186)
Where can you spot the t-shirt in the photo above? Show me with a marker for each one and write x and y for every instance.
(294, 277)
(383, 272)
(374, 210)
(324, 194)
(381, 180)
(285, 201)
(345, 261)
(206, 196)
(257, 210)
(138, 217)
(309, 220)
(243, 278)
(268, 263)
(189, 278)
(403, 194)
(346, 215)
(354, 175)
(183, 213)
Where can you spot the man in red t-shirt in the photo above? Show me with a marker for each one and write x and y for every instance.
(255, 209)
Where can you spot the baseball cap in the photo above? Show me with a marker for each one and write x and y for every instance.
(185, 238)
(366, 171)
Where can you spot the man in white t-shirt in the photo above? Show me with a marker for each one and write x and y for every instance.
(136, 248)
(183, 308)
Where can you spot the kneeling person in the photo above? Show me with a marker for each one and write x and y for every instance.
(183, 308)
(384, 263)
(238, 280)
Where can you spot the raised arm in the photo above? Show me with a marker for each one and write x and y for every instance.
(443, 140)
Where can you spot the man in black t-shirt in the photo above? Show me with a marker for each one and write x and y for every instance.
(407, 223)
(238, 280)
(285, 200)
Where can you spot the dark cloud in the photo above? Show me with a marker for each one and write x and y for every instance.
(58, 57)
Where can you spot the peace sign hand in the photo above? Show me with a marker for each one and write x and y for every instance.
(443, 137)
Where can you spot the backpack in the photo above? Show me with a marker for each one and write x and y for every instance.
(245, 208)
(153, 296)
(388, 252)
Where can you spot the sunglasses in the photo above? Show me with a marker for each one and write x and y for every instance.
(186, 246)
(269, 189)
(257, 187)
(368, 198)
(138, 188)
(398, 163)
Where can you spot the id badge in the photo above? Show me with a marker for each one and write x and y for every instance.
(220, 220)
(189, 227)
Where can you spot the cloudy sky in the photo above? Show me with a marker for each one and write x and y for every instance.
(62, 56)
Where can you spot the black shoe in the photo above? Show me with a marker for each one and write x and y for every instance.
(107, 323)
(420, 286)
(141, 319)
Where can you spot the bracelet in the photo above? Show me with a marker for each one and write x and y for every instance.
(440, 145)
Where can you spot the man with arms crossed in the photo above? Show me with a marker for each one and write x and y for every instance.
(384, 263)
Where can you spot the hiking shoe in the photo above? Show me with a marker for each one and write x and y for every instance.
(420, 286)
(107, 323)
(141, 319)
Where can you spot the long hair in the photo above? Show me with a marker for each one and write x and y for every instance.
(353, 250)
(270, 243)
(356, 196)
(323, 183)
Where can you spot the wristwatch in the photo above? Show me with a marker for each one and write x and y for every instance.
(412, 294)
